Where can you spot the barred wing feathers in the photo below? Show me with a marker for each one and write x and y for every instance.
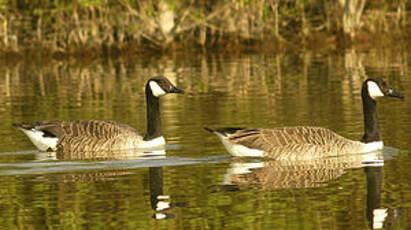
(90, 135)
(299, 142)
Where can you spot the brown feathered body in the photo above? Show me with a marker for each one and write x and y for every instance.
(88, 135)
(289, 143)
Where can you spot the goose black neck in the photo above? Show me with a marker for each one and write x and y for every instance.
(153, 116)
(371, 128)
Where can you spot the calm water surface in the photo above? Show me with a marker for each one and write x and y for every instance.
(198, 186)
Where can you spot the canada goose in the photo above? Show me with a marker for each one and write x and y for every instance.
(96, 135)
(309, 142)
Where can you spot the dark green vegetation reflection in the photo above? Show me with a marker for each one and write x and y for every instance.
(254, 90)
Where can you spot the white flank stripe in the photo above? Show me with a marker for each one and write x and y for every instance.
(156, 142)
(373, 146)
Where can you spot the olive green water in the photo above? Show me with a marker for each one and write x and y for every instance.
(197, 186)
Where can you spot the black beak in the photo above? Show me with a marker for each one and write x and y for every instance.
(176, 90)
(393, 93)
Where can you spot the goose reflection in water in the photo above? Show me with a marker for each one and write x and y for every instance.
(158, 152)
(160, 202)
(271, 175)
(378, 216)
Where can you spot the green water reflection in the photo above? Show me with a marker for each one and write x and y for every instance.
(254, 90)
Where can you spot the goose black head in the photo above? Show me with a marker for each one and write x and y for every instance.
(377, 87)
(160, 86)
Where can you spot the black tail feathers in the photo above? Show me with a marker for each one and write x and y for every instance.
(224, 131)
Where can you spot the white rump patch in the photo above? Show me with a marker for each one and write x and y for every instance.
(374, 90)
(239, 150)
(156, 142)
(373, 146)
(42, 143)
(156, 89)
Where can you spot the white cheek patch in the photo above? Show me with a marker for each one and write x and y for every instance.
(374, 90)
(156, 89)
